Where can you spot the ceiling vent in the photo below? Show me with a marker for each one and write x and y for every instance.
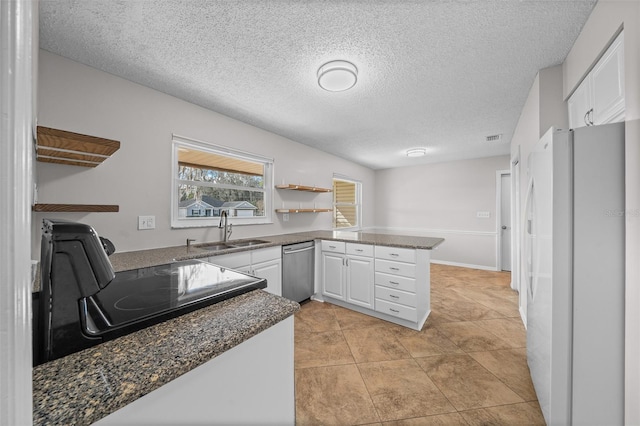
(493, 138)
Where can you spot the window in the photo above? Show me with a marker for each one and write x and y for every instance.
(346, 203)
(209, 179)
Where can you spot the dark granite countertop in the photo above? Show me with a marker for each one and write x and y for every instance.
(86, 386)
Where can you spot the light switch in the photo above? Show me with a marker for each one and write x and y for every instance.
(285, 217)
(146, 222)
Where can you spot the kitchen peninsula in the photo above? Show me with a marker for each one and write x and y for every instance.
(87, 386)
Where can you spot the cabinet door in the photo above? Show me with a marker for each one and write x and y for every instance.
(607, 80)
(272, 271)
(579, 105)
(333, 275)
(360, 281)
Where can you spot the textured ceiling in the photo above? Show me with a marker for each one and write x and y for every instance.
(440, 74)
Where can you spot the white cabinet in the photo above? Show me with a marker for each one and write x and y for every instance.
(346, 276)
(390, 283)
(333, 275)
(272, 272)
(262, 263)
(360, 280)
(600, 97)
(395, 291)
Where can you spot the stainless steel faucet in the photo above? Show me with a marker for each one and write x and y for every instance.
(227, 225)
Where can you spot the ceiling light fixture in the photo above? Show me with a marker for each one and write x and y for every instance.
(337, 76)
(416, 152)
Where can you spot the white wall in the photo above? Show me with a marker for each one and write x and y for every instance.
(137, 177)
(441, 200)
(604, 22)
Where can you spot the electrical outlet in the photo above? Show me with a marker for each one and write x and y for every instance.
(285, 217)
(483, 215)
(146, 222)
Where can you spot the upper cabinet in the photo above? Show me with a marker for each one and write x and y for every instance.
(600, 97)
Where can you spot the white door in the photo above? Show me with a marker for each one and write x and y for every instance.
(333, 275)
(360, 281)
(579, 105)
(505, 221)
(272, 272)
(607, 81)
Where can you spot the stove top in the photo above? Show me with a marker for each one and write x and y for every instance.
(138, 298)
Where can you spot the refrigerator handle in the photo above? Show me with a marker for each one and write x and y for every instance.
(528, 249)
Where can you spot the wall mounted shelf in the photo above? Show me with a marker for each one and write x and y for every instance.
(303, 210)
(303, 188)
(95, 208)
(62, 147)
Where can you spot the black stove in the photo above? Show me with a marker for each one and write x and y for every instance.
(137, 298)
(84, 303)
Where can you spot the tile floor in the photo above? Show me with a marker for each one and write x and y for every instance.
(466, 367)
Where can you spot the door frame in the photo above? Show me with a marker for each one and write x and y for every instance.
(499, 175)
(19, 41)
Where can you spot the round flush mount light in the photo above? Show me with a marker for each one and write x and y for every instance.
(337, 76)
(416, 152)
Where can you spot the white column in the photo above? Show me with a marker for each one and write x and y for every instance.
(18, 73)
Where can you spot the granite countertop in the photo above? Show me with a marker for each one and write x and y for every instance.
(153, 257)
(86, 386)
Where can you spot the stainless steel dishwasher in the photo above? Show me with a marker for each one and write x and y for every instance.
(298, 271)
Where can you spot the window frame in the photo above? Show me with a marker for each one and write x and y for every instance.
(357, 204)
(198, 222)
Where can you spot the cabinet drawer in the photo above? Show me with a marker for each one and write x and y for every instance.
(396, 282)
(394, 253)
(333, 246)
(360, 249)
(396, 268)
(396, 310)
(396, 296)
(232, 261)
(266, 254)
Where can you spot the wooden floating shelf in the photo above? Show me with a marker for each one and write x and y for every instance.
(303, 210)
(62, 147)
(303, 188)
(97, 208)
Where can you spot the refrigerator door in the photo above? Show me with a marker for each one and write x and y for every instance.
(598, 277)
(538, 261)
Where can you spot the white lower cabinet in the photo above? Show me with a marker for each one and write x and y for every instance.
(386, 282)
(359, 278)
(333, 275)
(272, 272)
(262, 263)
(348, 277)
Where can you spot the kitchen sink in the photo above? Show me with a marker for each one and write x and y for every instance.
(214, 246)
(246, 243)
(221, 245)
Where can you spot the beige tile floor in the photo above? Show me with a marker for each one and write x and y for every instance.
(466, 367)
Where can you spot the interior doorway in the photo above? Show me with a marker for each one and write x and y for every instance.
(503, 219)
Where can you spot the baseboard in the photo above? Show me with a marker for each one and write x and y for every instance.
(464, 265)
(523, 317)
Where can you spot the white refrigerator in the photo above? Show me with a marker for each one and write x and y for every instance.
(574, 274)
